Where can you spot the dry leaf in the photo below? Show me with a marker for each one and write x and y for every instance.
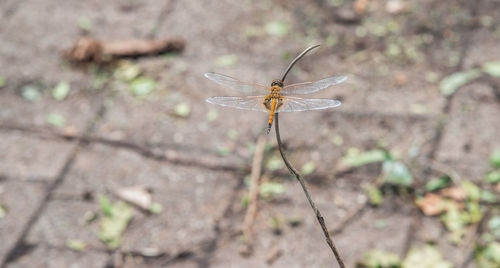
(455, 192)
(360, 6)
(400, 79)
(432, 204)
(396, 6)
(136, 195)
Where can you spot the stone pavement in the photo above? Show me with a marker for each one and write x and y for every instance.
(51, 176)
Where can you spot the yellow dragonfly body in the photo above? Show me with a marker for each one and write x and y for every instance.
(278, 97)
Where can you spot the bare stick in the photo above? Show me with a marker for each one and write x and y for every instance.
(253, 196)
(297, 59)
(320, 218)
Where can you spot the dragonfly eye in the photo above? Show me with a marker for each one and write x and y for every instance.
(277, 83)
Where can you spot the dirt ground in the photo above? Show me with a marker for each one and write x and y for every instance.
(59, 155)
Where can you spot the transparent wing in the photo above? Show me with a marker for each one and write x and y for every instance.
(253, 103)
(292, 104)
(311, 87)
(234, 83)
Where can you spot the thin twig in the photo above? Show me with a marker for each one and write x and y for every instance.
(292, 170)
(253, 195)
(320, 218)
(295, 61)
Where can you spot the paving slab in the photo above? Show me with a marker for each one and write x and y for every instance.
(337, 202)
(46, 256)
(161, 129)
(21, 199)
(335, 132)
(470, 135)
(26, 157)
(192, 199)
(34, 49)
(65, 220)
(76, 112)
(304, 246)
(484, 39)
(430, 230)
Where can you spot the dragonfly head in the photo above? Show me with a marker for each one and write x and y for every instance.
(277, 83)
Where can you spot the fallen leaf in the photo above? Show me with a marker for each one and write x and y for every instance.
(76, 245)
(454, 222)
(419, 109)
(379, 259)
(493, 176)
(374, 194)
(380, 224)
(396, 172)
(425, 257)
(60, 92)
(488, 196)
(438, 183)
(495, 158)
(308, 168)
(142, 86)
(346, 15)
(492, 68)
(456, 193)
(126, 71)
(30, 93)
(136, 195)
(55, 119)
(3, 81)
(338, 140)
(3, 211)
(396, 6)
(151, 252)
(432, 204)
(451, 83)
(155, 208)
(223, 150)
(232, 134)
(113, 222)
(182, 109)
(400, 79)
(212, 115)
(473, 212)
(360, 6)
(85, 24)
(432, 77)
(274, 163)
(494, 223)
(355, 158)
(271, 189)
(276, 223)
(473, 191)
(277, 28)
(489, 256)
(226, 60)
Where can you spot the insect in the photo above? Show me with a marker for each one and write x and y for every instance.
(278, 97)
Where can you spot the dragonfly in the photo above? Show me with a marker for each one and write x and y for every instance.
(274, 99)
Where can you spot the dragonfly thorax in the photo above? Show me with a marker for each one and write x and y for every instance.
(275, 97)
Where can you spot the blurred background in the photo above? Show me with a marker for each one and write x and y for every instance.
(110, 156)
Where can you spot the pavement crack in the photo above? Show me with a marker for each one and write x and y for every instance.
(19, 249)
(441, 126)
